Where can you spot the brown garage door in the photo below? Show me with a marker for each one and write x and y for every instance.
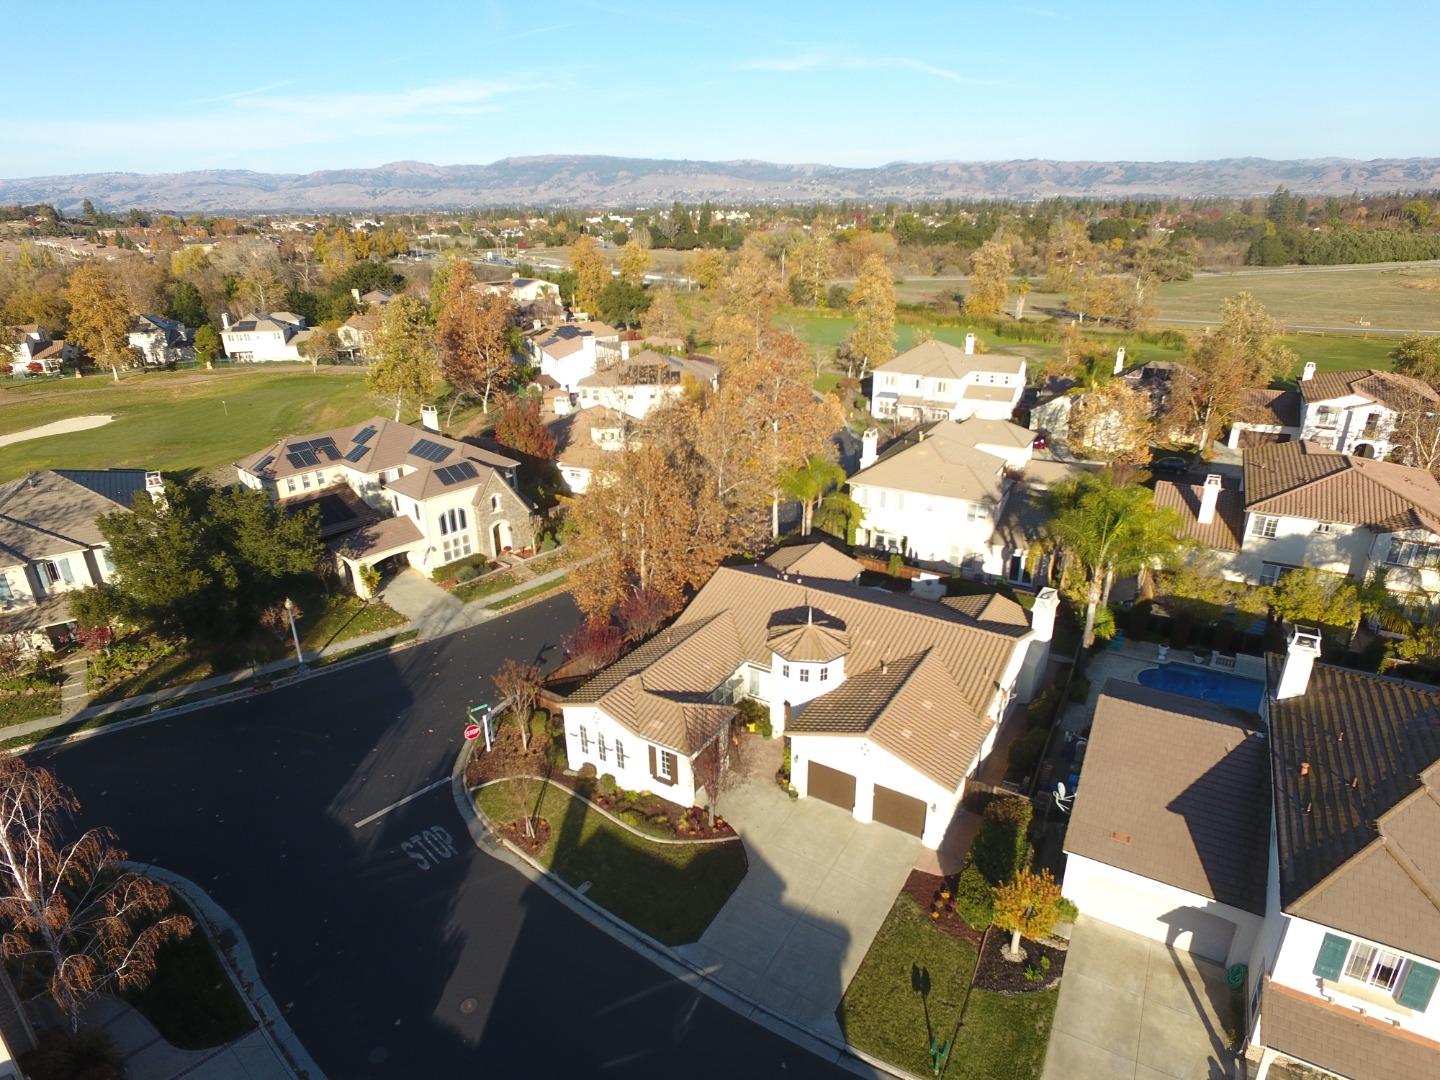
(899, 811)
(832, 785)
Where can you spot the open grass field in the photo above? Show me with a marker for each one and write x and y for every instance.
(173, 421)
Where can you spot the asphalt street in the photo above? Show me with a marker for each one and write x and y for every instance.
(396, 948)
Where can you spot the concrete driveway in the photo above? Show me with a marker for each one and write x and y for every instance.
(819, 886)
(1131, 1007)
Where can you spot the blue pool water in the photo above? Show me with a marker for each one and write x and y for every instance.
(1217, 686)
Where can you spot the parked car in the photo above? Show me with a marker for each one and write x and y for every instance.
(1170, 465)
(1040, 442)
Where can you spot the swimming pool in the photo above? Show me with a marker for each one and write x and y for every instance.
(1198, 682)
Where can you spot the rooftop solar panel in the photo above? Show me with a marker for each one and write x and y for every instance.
(365, 434)
(263, 462)
(428, 450)
(295, 460)
(329, 451)
(357, 452)
(453, 474)
(325, 440)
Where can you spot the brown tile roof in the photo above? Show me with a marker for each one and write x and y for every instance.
(1386, 387)
(910, 707)
(1301, 479)
(1271, 407)
(47, 513)
(942, 460)
(1359, 833)
(809, 642)
(817, 560)
(1176, 790)
(989, 607)
(1224, 533)
(574, 433)
(1342, 1040)
(938, 359)
(649, 368)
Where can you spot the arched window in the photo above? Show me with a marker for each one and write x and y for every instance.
(495, 503)
(452, 521)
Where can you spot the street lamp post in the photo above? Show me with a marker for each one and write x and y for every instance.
(294, 634)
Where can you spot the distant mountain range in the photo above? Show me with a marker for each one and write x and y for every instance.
(577, 180)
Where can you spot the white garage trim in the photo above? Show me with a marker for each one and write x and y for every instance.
(1185, 920)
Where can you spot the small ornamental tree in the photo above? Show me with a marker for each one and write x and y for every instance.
(519, 684)
(644, 612)
(593, 645)
(1027, 904)
(521, 428)
(719, 768)
(73, 918)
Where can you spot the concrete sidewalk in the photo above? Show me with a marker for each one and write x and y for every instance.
(147, 1054)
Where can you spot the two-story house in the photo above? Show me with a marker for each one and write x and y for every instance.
(1353, 412)
(1348, 960)
(569, 352)
(936, 381)
(159, 341)
(263, 338)
(643, 380)
(51, 545)
(359, 335)
(30, 350)
(1302, 505)
(936, 494)
(890, 702)
(585, 439)
(391, 495)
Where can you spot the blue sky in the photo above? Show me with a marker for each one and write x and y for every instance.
(290, 87)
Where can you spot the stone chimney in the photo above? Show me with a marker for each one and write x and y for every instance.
(430, 418)
(869, 447)
(1301, 652)
(1308, 372)
(225, 320)
(1209, 498)
(969, 344)
(1119, 360)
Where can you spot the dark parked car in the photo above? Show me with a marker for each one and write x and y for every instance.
(1170, 466)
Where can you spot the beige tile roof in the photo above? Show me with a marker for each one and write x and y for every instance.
(809, 642)
(991, 393)
(1386, 387)
(1176, 790)
(1224, 533)
(989, 607)
(1359, 832)
(1342, 1040)
(575, 443)
(1301, 479)
(817, 560)
(46, 513)
(944, 461)
(910, 707)
(938, 359)
(650, 368)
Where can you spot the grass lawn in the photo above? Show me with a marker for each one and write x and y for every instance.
(178, 669)
(669, 891)
(341, 616)
(20, 708)
(199, 420)
(487, 586)
(191, 1000)
(883, 1013)
(553, 585)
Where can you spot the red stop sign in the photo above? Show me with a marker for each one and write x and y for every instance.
(472, 731)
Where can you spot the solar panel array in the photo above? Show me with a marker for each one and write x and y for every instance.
(453, 474)
(301, 459)
(365, 434)
(357, 452)
(428, 450)
(308, 454)
(263, 462)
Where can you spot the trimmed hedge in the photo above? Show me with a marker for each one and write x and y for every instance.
(1002, 845)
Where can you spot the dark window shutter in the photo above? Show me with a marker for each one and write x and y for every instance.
(1420, 982)
(1331, 960)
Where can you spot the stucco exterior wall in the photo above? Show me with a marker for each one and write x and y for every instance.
(634, 774)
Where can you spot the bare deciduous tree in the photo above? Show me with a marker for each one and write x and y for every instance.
(73, 917)
(519, 684)
(720, 767)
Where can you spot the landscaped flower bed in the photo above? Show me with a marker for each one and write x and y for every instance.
(1041, 969)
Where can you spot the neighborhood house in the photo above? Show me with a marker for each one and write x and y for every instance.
(263, 338)
(936, 381)
(30, 350)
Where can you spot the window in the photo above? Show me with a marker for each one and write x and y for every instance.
(976, 513)
(1265, 526)
(1374, 966)
(784, 671)
(289, 485)
(824, 673)
(584, 740)
(1324, 416)
(882, 498)
(917, 384)
(455, 547)
(942, 387)
(619, 754)
(54, 571)
(804, 674)
(6, 593)
(600, 745)
(899, 500)
(495, 503)
(107, 564)
(452, 521)
(305, 481)
(1324, 528)
(1271, 572)
(665, 765)
(1413, 553)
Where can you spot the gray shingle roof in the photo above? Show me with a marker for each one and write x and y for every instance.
(48, 512)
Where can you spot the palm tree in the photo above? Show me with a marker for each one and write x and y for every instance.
(810, 484)
(839, 515)
(1110, 530)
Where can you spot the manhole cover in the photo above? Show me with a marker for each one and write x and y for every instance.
(469, 1005)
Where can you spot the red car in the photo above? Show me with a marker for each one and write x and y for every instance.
(1040, 443)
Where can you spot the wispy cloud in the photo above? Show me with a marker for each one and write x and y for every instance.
(236, 94)
(824, 60)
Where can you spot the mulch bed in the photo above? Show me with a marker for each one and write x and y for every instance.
(507, 758)
(926, 889)
(687, 823)
(514, 832)
(994, 972)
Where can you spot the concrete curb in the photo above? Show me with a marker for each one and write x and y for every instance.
(662, 956)
(239, 964)
(606, 813)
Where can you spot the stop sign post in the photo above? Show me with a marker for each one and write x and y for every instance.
(479, 724)
(472, 732)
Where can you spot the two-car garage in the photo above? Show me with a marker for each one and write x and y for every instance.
(889, 807)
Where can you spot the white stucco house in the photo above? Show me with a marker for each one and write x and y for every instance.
(50, 545)
(30, 350)
(641, 381)
(159, 341)
(584, 440)
(936, 381)
(890, 702)
(1353, 412)
(1304, 505)
(391, 495)
(569, 352)
(263, 338)
(936, 494)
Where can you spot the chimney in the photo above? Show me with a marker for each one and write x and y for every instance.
(1119, 360)
(1042, 614)
(430, 418)
(1308, 372)
(1301, 652)
(969, 344)
(356, 294)
(155, 488)
(624, 350)
(869, 447)
(1209, 497)
(514, 275)
(225, 320)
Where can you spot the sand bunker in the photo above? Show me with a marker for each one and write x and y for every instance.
(59, 427)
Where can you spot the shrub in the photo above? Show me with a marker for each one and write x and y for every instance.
(1138, 622)
(89, 1053)
(755, 717)
(974, 897)
(468, 572)
(1041, 712)
(1224, 636)
(1024, 753)
(1067, 910)
(896, 565)
(1002, 845)
(1180, 630)
(606, 785)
